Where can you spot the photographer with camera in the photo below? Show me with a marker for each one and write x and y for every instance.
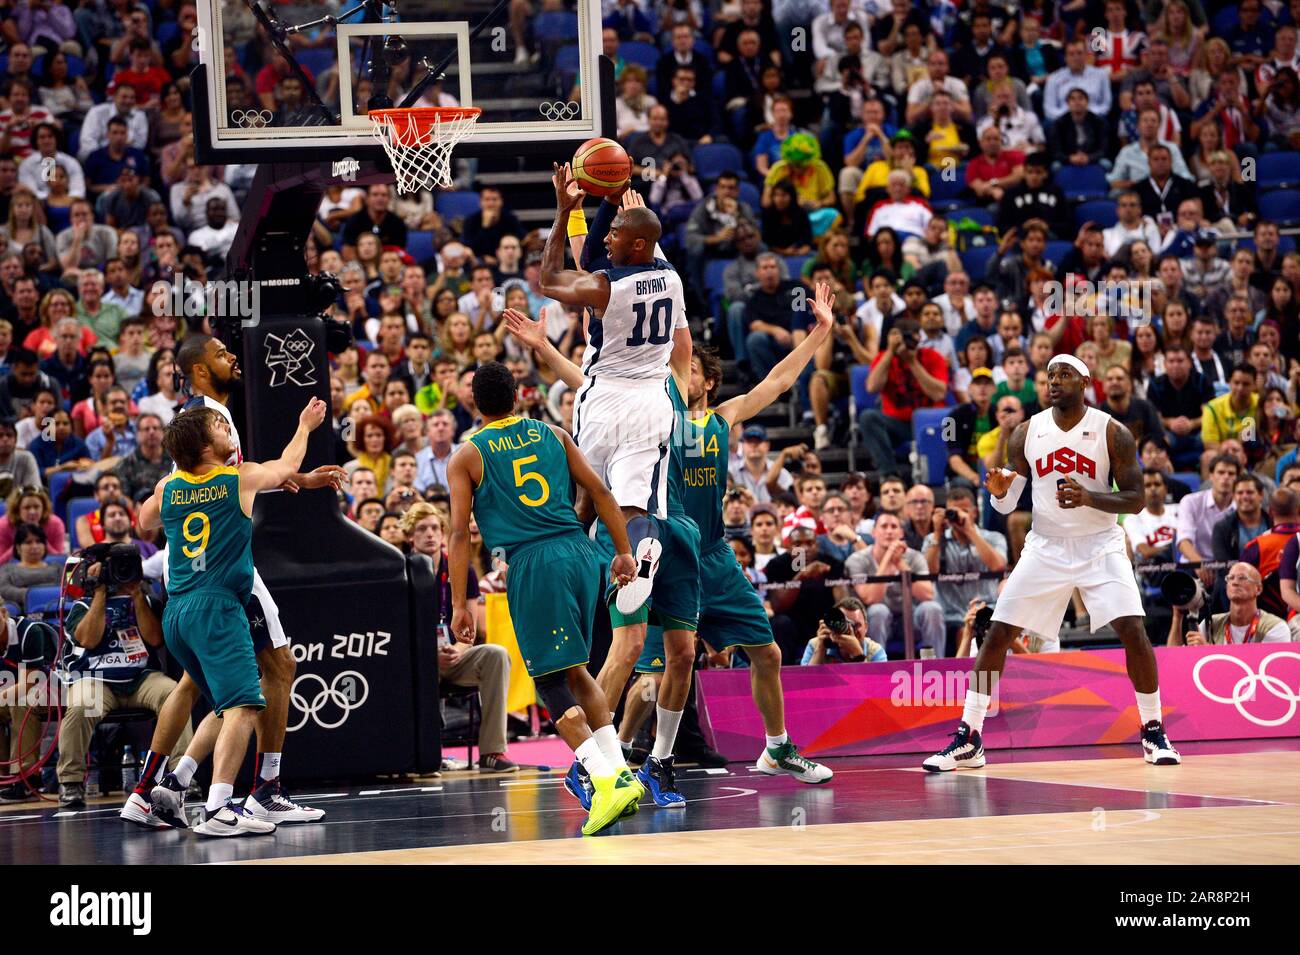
(105, 662)
(1243, 623)
(887, 557)
(906, 379)
(957, 545)
(842, 637)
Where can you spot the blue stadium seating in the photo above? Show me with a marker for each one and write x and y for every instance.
(750, 195)
(421, 246)
(78, 507)
(946, 195)
(1083, 182)
(713, 270)
(713, 159)
(1101, 211)
(1275, 170)
(642, 54)
(555, 25)
(931, 449)
(169, 30)
(567, 62)
(1281, 206)
(1285, 243)
(1224, 20)
(318, 59)
(58, 483)
(976, 261)
(1057, 249)
(456, 205)
(863, 400)
(795, 264)
(43, 599)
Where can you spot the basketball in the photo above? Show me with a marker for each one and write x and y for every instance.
(601, 167)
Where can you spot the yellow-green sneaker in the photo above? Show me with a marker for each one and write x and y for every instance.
(631, 777)
(613, 794)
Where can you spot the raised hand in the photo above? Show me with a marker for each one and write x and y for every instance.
(823, 306)
(568, 194)
(631, 198)
(529, 332)
(998, 481)
(313, 414)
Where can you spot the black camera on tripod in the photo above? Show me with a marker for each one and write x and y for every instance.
(119, 564)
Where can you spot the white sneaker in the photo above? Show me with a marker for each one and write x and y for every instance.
(231, 820)
(268, 801)
(521, 56)
(138, 811)
(786, 759)
(631, 597)
(1156, 748)
(821, 437)
(966, 751)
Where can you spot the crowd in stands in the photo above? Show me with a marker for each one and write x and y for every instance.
(983, 186)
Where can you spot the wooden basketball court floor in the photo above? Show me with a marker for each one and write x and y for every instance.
(1228, 803)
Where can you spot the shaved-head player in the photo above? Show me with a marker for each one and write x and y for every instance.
(1071, 454)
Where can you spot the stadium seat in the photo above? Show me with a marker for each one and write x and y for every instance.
(76, 66)
(421, 246)
(1282, 206)
(975, 213)
(555, 25)
(58, 560)
(13, 609)
(567, 62)
(795, 263)
(1191, 478)
(931, 448)
(1276, 170)
(1224, 20)
(317, 60)
(975, 261)
(43, 599)
(169, 30)
(78, 507)
(1285, 243)
(946, 195)
(58, 482)
(861, 399)
(1101, 211)
(713, 270)
(719, 85)
(1083, 182)
(713, 159)
(750, 195)
(456, 205)
(1057, 250)
(642, 54)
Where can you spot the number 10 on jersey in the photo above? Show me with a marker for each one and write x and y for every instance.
(661, 322)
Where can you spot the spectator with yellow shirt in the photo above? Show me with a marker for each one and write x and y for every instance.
(944, 135)
(801, 163)
(1228, 416)
(901, 154)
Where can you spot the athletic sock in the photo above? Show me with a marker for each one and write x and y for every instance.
(977, 704)
(666, 723)
(1149, 707)
(218, 795)
(626, 748)
(592, 759)
(776, 742)
(608, 742)
(270, 766)
(184, 770)
(152, 770)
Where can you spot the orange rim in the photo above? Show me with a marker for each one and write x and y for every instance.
(421, 118)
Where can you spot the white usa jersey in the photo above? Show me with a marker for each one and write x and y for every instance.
(1081, 454)
(203, 401)
(633, 338)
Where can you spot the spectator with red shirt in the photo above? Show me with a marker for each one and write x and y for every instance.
(906, 379)
(143, 76)
(269, 77)
(21, 118)
(995, 169)
(1274, 553)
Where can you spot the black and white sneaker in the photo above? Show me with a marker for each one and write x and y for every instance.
(1156, 748)
(232, 820)
(269, 802)
(631, 596)
(167, 800)
(966, 751)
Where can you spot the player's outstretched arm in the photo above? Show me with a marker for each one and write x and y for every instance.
(568, 286)
(1125, 472)
(464, 471)
(679, 362)
(787, 371)
(624, 566)
(532, 333)
(150, 516)
(254, 477)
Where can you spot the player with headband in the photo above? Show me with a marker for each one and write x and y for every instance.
(1070, 454)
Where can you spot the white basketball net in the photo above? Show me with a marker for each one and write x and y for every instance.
(420, 149)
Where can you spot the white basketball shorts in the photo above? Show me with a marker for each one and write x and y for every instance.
(264, 618)
(623, 427)
(1052, 568)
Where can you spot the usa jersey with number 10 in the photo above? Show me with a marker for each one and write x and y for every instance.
(1054, 455)
(633, 338)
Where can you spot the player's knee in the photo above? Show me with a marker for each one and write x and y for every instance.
(557, 696)
(1000, 635)
(279, 667)
(764, 658)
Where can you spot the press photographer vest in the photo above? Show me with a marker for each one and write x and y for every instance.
(1264, 622)
(122, 657)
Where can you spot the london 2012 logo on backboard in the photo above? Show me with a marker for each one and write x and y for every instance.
(288, 357)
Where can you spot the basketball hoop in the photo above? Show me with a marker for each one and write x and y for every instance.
(419, 142)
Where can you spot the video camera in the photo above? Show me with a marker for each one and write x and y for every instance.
(1183, 591)
(120, 564)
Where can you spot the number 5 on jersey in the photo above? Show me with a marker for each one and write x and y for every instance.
(522, 477)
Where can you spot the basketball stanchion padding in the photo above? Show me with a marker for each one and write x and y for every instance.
(419, 142)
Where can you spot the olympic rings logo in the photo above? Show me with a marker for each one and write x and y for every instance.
(251, 118)
(348, 691)
(559, 111)
(1244, 691)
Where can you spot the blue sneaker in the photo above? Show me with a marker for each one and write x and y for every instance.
(578, 783)
(657, 776)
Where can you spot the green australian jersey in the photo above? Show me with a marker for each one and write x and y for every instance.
(705, 474)
(677, 453)
(212, 537)
(525, 495)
